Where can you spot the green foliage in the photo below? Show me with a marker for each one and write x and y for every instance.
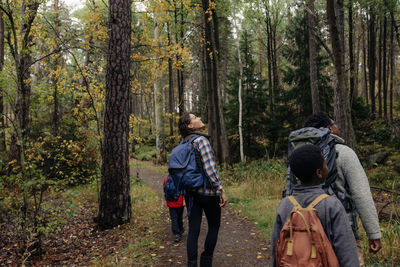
(389, 255)
(386, 172)
(70, 161)
(296, 74)
(145, 152)
(254, 106)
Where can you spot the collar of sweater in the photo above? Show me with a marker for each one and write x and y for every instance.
(338, 139)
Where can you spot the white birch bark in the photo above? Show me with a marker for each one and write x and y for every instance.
(242, 157)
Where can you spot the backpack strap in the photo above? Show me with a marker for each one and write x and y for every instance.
(294, 202)
(297, 209)
(317, 200)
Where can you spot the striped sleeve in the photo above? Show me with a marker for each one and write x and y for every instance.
(209, 164)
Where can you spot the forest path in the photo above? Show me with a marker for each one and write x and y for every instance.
(239, 242)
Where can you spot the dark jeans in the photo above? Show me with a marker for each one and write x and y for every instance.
(176, 215)
(211, 208)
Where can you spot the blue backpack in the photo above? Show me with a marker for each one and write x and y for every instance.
(184, 172)
(322, 138)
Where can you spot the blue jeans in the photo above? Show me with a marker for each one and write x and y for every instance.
(210, 205)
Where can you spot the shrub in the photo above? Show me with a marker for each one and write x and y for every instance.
(71, 161)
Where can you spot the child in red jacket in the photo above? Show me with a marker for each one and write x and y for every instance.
(176, 214)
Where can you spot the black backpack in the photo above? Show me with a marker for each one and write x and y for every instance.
(322, 138)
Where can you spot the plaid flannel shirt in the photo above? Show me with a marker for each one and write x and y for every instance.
(207, 157)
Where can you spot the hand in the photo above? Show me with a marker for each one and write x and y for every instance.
(374, 245)
(223, 199)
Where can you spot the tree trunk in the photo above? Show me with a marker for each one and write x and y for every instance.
(384, 68)
(180, 67)
(269, 55)
(316, 106)
(216, 125)
(259, 41)
(380, 42)
(392, 70)
(364, 65)
(341, 97)
(2, 115)
(55, 75)
(371, 60)
(240, 124)
(351, 52)
(158, 103)
(170, 89)
(115, 200)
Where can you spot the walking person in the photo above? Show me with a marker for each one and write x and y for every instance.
(209, 198)
(176, 214)
(352, 182)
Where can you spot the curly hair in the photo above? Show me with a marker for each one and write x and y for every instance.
(318, 120)
(304, 161)
(183, 123)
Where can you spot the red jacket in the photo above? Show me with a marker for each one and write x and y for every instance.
(176, 203)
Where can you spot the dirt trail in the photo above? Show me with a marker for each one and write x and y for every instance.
(239, 242)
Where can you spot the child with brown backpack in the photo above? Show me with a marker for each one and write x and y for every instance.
(311, 227)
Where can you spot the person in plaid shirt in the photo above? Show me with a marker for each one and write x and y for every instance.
(209, 199)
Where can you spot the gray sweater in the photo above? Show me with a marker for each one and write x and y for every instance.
(350, 170)
(333, 219)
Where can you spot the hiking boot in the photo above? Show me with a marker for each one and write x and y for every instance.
(206, 261)
(177, 238)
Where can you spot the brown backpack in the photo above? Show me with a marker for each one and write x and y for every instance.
(302, 240)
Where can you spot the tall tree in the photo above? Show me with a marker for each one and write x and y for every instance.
(216, 124)
(392, 69)
(352, 66)
(158, 103)
(56, 119)
(20, 42)
(335, 15)
(384, 67)
(2, 115)
(316, 106)
(371, 58)
(115, 200)
(240, 124)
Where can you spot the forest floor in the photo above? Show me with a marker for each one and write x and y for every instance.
(239, 242)
(75, 240)
(145, 241)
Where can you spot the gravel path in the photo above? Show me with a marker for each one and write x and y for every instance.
(239, 242)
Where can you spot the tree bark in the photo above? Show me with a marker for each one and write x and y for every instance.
(384, 68)
(216, 127)
(115, 200)
(341, 97)
(371, 60)
(392, 70)
(2, 115)
(380, 45)
(240, 124)
(351, 52)
(170, 89)
(55, 76)
(259, 41)
(364, 66)
(316, 105)
(158, 103)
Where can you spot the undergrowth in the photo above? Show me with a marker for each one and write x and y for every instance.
(254, 190)
(145, 230)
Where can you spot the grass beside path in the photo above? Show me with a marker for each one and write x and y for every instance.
(144, 232)
(254, 189)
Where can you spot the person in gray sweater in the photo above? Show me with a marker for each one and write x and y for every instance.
(353, 182)
(309, 166)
